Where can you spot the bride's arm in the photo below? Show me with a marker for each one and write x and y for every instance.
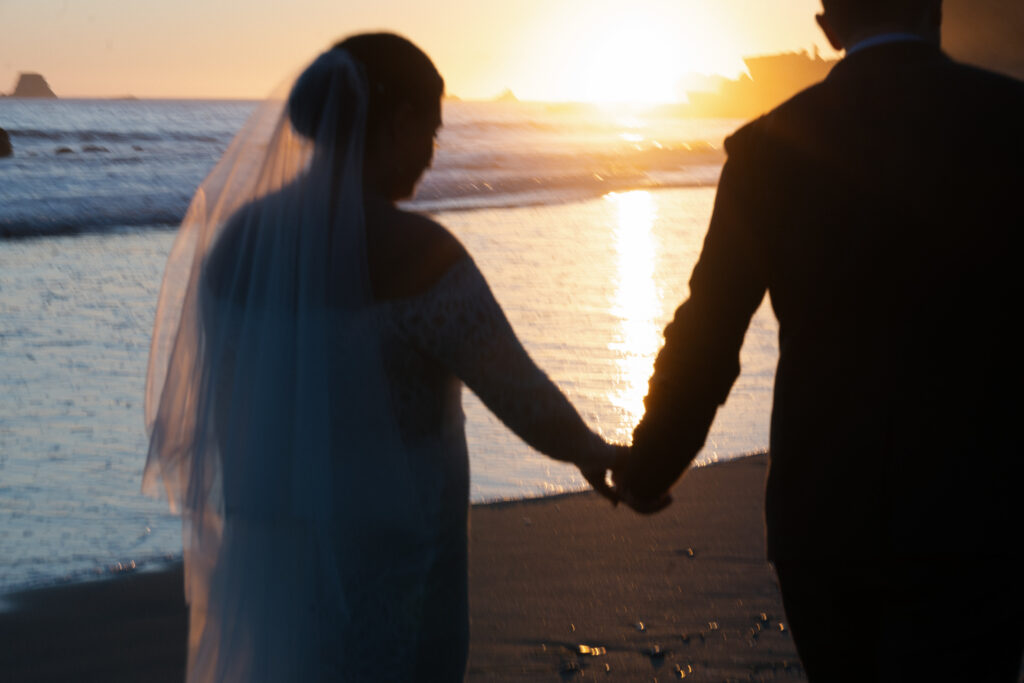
(462, 325)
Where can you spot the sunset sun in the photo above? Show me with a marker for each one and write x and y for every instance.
(642, 54)
(623, 58)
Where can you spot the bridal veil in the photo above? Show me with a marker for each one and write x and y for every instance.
(272, 431)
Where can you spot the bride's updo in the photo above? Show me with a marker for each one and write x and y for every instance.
(397, 73)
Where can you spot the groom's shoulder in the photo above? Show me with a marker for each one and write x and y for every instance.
(782, 123)
(982, 75)
(985, 90)
(744, 137)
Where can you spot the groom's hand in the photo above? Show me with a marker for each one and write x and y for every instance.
(644, 506)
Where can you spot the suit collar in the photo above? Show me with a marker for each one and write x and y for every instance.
(884, 39)
(878, 57)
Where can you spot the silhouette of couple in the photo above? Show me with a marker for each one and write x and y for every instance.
(306, 411)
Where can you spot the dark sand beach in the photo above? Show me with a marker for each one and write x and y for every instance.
(685, 591)
(562, 588)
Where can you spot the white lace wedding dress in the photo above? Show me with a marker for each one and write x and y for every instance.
(393, 603)
(456, 332)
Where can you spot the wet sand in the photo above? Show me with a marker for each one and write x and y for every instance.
(687, 591)
(561, 588)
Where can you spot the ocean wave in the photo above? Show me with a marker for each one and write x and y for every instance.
(113, 136)
(438, 193)
(530, 192)
(73, 173)
(483, 127)
(92, 215)
(27, 229)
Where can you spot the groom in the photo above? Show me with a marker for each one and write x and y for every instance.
(882, 210)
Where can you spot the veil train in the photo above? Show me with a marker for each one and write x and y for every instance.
(271, 428)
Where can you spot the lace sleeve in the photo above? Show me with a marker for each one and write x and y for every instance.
(460, 324)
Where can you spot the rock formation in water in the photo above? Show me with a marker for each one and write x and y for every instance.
(32, 85)
(982, 32)
(5, 144)
(771, 81)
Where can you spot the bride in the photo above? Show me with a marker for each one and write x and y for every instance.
(304, 388)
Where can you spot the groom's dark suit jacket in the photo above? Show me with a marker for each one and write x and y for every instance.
(882, 211)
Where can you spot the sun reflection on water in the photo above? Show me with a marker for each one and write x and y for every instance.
(636, 302)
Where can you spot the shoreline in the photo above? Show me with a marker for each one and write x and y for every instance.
(172, 562)
(559, 586)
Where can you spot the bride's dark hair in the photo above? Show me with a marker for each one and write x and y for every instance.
(397, 73)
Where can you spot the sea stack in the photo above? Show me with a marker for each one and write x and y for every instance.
(32, 85)
(5, 144)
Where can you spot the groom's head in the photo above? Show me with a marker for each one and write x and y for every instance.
(846, 22)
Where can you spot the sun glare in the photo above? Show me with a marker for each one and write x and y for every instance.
(624, 59)
(636, 300)
(642, 54)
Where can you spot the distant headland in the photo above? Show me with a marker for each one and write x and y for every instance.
(32, 85)
(506, 96)
(772, 80)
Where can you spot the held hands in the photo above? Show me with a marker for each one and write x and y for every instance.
(644, 506)
(615, 457)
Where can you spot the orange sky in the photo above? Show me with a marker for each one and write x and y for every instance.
(541, 49)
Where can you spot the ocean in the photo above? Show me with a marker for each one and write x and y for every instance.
(585, 220)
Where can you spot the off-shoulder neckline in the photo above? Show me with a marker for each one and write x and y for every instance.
(462, 263)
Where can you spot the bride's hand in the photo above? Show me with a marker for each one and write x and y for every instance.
(595, 466)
